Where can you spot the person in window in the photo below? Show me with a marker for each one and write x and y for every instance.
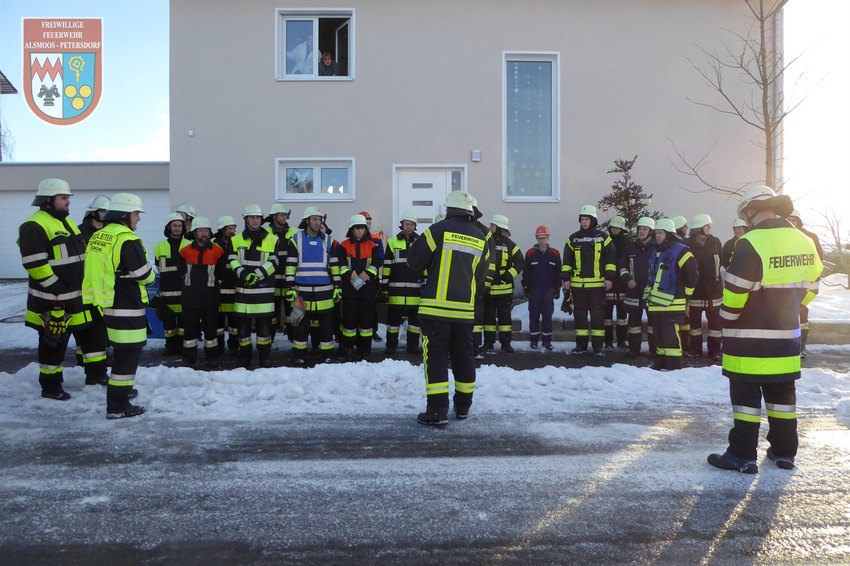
(327, 66)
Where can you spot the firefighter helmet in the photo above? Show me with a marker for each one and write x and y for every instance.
(666, 224)
(357, 220)
(409, 216)
(312, 211)
(542, 231)
(739, 223)
(461, 200)
(647, 222)
(502, 222)
(125, 202)
(700, 220)
(187, 209)
(587, 210)
(99, 202)
(225, 221)
(679, 222)
(49, 188)
(762, 197)
(252, 210)
(201, 222)
(618, 222)
(278, 208)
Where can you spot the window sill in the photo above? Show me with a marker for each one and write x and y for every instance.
(314, 79)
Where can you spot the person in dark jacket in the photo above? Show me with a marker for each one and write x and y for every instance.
(588, 272)
(400, 284)
(454, 253)
(202, 265)
(359, 265)
(505, 266)
(672, 276)
(167, 303)
(774, 270)
(93, 220)
(804, 309)
(541, 285)
(739, 228)
(708, 293)
(634, 273)
(227, 289)
(52, 253)
(614, 296)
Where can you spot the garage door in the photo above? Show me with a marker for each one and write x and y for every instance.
(15, 207)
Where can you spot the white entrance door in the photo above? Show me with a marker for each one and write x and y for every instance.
(424, 191)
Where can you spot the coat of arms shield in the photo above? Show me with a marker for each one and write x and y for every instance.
(63, 62)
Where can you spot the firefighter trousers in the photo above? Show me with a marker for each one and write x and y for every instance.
(668, 344)
(780, 400)
(589, 302)
(443, 340)
(712, 315)
(497, 318)
(358, 318)
(395, 316)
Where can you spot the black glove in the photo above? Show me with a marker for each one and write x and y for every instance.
(507, 278)
(567, 304)
(55, 327)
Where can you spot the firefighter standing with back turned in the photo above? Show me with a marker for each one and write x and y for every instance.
(774, 270)
(454, 251)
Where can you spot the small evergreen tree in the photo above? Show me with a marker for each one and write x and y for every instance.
(627, 197)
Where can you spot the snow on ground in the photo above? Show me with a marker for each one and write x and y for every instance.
(389, 386)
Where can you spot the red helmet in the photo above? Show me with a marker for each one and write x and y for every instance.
(542, 231)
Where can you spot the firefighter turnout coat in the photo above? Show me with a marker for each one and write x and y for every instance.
(400, 281)
(774, 270)
(254, 252)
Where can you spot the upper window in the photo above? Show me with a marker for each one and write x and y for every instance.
(315, 44)
(530, 131)
(315, 179)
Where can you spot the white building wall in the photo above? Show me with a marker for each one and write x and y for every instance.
(428, 89)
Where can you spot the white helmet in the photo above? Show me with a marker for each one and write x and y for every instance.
(225, 221)
(739, 223)
(754, 194)
(278, 208)
(679, 222)
(125, 202)
(186, 208)
(101, 201)
(312, 211)
(357, 220)
(647, 222)
(461, 200)
(700, 220)
(172, 217)
(617, 222)
(440, 217)
(48, 188)
(666, 224)
(587, 210)
(252, 210)
(409, 216)
(201, 222)
(502, 222)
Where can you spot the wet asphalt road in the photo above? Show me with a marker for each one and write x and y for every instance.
(492, 490)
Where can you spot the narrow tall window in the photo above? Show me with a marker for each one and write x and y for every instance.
(530, 127)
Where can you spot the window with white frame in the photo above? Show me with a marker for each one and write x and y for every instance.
(315, 44)
(315, 179)
(530, 131)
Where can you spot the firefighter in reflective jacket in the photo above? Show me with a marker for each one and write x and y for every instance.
(708, 292)
(774, 270)
(202, 265)
(804, 310)
(312, 277)
(590, 265)
(634, 273)
(401, 284)
(672, 275)
(454, 252)
(505, 266)
(170, 282)
(227, 289)
(117, 272)
(253, 259)
(53, 252)
(93, 219)
(278, 224)
(359, 266)
(615, 296)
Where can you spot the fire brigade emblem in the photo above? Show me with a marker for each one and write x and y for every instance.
(63, 62)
